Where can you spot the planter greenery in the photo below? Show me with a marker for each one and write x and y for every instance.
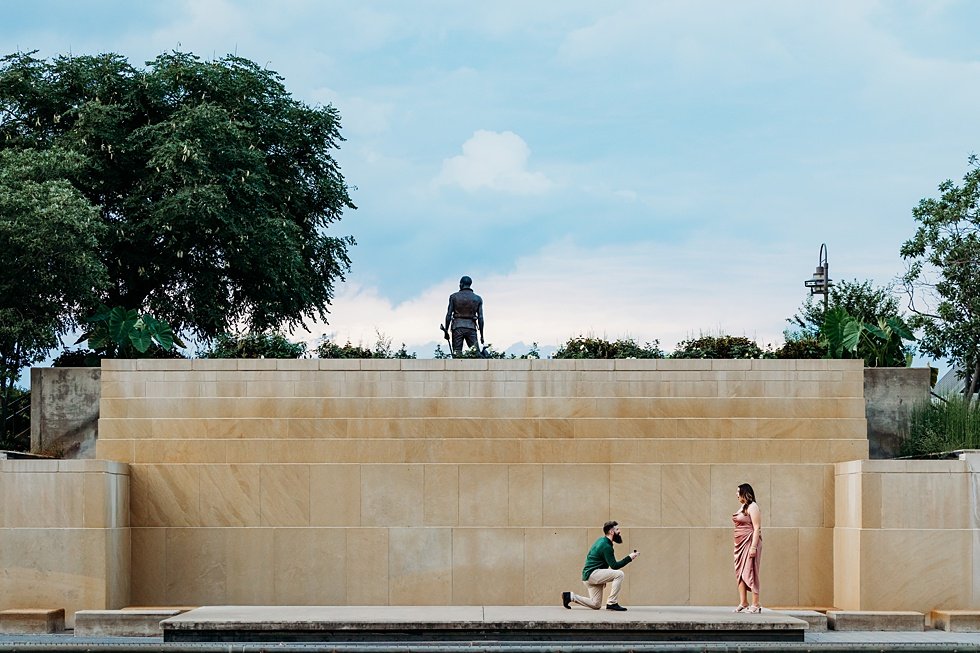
(723, 346)
(941, 427)
(880, 345)
(591, 347)
(253, 345)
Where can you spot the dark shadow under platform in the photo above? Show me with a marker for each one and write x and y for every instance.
(418, 624)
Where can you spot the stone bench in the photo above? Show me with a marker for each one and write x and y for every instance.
(885, 621)
(956, 621)
(122, 623)
(27, 621)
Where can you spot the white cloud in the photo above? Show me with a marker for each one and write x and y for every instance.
(493, 161)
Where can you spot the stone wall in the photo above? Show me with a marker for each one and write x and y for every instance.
(907, 534)
(65, 410)
(481, 482)
(473, 482)
(64, 535)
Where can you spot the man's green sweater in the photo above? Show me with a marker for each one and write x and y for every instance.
(601, 557)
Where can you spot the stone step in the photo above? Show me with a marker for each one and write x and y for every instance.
(398, 386)
(32, 621)
(129, 622)
(956, 621)
(479, 450)
(514, 407)
(856, 620)
(816, 620)
(477, 427)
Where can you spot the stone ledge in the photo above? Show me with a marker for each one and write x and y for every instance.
(122, 623)
(29, 621)
(816, 620)
(956, 621)
(854, 620)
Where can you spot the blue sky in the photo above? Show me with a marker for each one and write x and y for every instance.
(647, 169)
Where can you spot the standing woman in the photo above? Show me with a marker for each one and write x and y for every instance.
(748, 548)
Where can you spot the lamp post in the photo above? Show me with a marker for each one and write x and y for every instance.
(820, 284)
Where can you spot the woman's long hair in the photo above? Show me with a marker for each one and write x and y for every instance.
(746, 492)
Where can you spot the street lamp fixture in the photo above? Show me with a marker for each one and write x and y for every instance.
(820, 283)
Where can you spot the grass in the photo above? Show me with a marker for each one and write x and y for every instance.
(941, 427)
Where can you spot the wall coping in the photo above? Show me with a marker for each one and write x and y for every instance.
(354, 364)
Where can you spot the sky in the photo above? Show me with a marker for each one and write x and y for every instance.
(643, 169)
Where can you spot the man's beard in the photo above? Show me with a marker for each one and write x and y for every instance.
(617, 538)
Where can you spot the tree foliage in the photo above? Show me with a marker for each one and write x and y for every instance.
(860, 299)
(214, 187)
(122, 333)
(943, 276)
(48, 244)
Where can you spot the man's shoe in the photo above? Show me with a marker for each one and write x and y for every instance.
(615, 606)
(566, 598)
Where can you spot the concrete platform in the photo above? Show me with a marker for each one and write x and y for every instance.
(876, 621)
(415, 624)
(121, 623)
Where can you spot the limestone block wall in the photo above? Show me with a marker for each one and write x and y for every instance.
(907, 535)
(64, 535)
(473, 482)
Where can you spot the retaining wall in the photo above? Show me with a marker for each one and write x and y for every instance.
(473, 482)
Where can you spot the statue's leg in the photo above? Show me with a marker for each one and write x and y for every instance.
(458, 336)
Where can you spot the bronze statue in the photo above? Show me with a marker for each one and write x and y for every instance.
(464, 317)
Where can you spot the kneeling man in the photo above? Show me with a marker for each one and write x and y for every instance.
(601, 567)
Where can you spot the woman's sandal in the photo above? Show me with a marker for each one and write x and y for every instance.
(741, 608)
(754, 609)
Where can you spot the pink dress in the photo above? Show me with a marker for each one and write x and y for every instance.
(746, 566)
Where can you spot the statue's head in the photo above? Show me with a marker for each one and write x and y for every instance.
(465, 282)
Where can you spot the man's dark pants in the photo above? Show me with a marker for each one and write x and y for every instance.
(461, 335)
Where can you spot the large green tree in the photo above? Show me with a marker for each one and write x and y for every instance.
(48, 248)
(943, 276)
(215, 187)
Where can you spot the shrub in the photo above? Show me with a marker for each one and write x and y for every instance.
(723, 346)
(382, 349)
(590, 347)
(801, 346)
(254, 345)
(330, 349)
(91, 358)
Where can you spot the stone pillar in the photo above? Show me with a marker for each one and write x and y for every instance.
(64, 535)
(65, 411)
(889, 392)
